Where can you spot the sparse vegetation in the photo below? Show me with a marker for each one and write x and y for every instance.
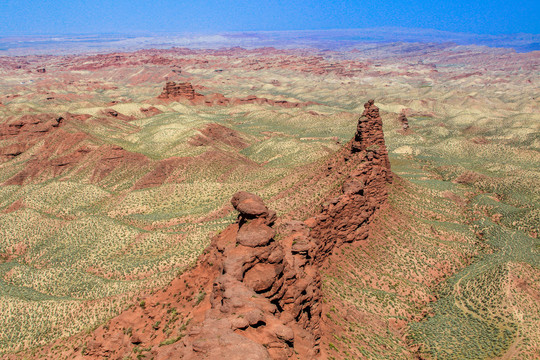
(75, 248)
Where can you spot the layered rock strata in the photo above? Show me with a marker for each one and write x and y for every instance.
(176, 91)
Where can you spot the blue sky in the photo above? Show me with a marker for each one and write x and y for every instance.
(136, 16)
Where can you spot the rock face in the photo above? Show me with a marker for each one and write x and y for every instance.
(346, 217)
(402, 118)
(265, 300)
(251, 266)
(259, 294)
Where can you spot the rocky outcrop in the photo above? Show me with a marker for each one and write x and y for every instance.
(266, 298)
(150, 111)
(346, 218)
(369, 137)
(402, 118)
(177, 91)
(115, 114)
(269, 291)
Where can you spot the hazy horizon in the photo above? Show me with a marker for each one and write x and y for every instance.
(332, 39)
(136, 17)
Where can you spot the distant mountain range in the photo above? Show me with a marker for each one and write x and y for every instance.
(340, 39)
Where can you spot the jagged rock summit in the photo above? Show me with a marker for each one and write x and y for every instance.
(369, 136)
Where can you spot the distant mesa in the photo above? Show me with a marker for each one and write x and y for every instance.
(177, 91)
(173, 91)
(410, 112)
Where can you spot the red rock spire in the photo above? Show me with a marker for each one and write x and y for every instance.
(369, 135)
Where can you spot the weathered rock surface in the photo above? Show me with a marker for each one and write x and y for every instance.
(369, 137)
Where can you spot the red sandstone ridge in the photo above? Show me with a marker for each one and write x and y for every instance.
(252, 294)
(46, 150)
(28, 130)
(185, 91)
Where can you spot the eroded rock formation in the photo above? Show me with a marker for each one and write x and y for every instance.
(256, 290)
(177, 91)
(47, 150)
(269, 291)
(402, 118)
(24, 132)
(369, 137)
(261, 301)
